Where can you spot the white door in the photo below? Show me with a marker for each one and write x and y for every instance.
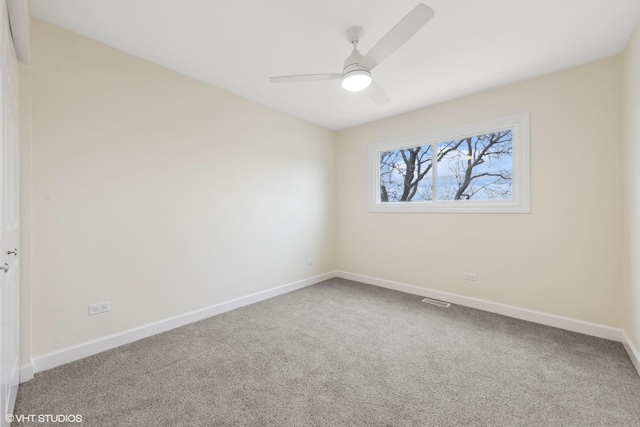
(9, 221)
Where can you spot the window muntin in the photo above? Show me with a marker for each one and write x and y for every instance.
(483, 167)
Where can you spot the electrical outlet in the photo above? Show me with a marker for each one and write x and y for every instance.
(101, 307)
(310, 261)
(470, 276)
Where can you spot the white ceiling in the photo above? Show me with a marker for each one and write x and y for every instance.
(469, 46)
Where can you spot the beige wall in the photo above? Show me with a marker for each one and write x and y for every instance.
(631, 154)
(162, 194)
(563, 258)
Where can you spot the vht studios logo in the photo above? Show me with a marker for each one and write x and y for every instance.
(44, 418)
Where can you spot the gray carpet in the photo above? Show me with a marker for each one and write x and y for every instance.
(341, 353)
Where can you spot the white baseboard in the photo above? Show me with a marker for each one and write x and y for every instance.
(26, 372)
(13, 395)
(634, 354)
(89, 348)
(587, 328)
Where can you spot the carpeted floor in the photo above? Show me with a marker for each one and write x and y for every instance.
(341, 353)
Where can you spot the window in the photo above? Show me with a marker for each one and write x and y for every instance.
(482, 167)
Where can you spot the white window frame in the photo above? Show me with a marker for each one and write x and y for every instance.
(520, 203)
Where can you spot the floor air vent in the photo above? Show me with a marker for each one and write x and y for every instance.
(436, 302)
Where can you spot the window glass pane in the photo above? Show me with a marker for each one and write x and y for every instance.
(405, 175)
(476, 168)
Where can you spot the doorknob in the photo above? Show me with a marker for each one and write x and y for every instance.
(5, 267)
(14, 252)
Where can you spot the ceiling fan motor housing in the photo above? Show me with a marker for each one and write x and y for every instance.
(355, 77)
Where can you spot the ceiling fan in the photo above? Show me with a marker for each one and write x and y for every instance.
(356, 74)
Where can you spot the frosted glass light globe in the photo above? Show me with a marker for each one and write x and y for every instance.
(357, 80)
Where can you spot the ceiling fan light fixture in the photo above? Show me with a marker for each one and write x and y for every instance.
(357, 80)
(356, 73)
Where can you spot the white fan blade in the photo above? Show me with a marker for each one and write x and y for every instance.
(375, 93)
(305, 78)
(398, 35)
